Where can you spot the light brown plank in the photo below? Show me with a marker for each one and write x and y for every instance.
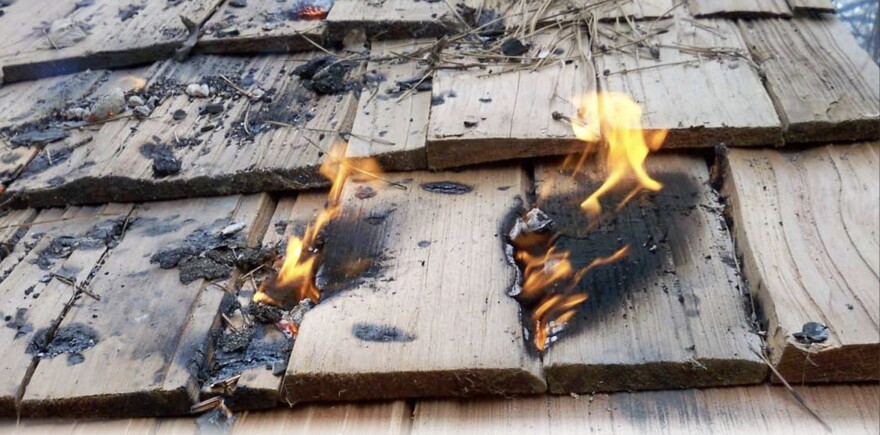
(58, 242)
(758, 409)
(726, 101)
(261, 26)
(435, 286)
(669, 315)
(393, 418)
(34, 49)
(486, 416)
(214, 161)
(806, 229)
(739, 8)
(824, 85)
(152, 330)
(390, 125)
(503, 112)
(390, 19)
(80, 427)
(811, 5)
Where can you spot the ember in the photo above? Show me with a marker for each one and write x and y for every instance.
(295, 281)
(549, 286)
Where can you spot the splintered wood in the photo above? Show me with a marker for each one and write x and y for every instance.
(259, 26)
(392, 116)
(725, 99)
(231, 141)
(50, 37)
(138, 345)
(504, 111)
(258, 387)
(669, 315)
(824, 85)
(739, 8)
(40, 277)
(806, 227)
(414, 296)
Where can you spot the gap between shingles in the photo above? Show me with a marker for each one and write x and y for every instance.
(53, 328)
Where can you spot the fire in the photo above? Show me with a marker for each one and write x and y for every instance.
(295, 281)
(132, 82)
(312, 13)
(549, 289)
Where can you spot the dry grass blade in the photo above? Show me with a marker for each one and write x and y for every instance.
(794, 393)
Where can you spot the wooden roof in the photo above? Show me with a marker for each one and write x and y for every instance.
(130, 200)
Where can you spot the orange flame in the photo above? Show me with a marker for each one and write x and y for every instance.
(617, 119)
(295, 281)
(312, 13)
(549, 279)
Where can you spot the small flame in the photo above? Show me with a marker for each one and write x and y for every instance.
(295, 281)
(549, 278)
(132, 82)
(616, 119)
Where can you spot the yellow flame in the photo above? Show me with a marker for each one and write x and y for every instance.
(132, 82)
(616, 120)
(611, 121)
(295, 281)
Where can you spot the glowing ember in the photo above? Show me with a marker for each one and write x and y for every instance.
(295, 281)
(549, 288)
(312, 13)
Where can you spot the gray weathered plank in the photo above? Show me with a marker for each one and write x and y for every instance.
(823, 84)
(805, 225)
(32, 302)
(151, 330)
(252, 146)
(503, 111)
(260, 26)
(669, 315)
(427, 315)
(726, 100)
(52, 37)
(391, 124)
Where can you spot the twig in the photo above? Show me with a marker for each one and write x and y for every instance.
(103, 121)
(236, 87)
(228, 322)
(76, 286)
(625, 71)
(356, 169)
(797, 396)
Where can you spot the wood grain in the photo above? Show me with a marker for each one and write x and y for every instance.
(823, 84)
(739, 8)
(261, 26)
(804, 225)
(152, 330)
(504, 111)
(391, 125)
(41, 104)
(32, 302)
(392, 418)
(389, 19)
(811, 5)
(415, 297)
(112, 34)
(218, 155)
(726, 101)
(669, 315)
